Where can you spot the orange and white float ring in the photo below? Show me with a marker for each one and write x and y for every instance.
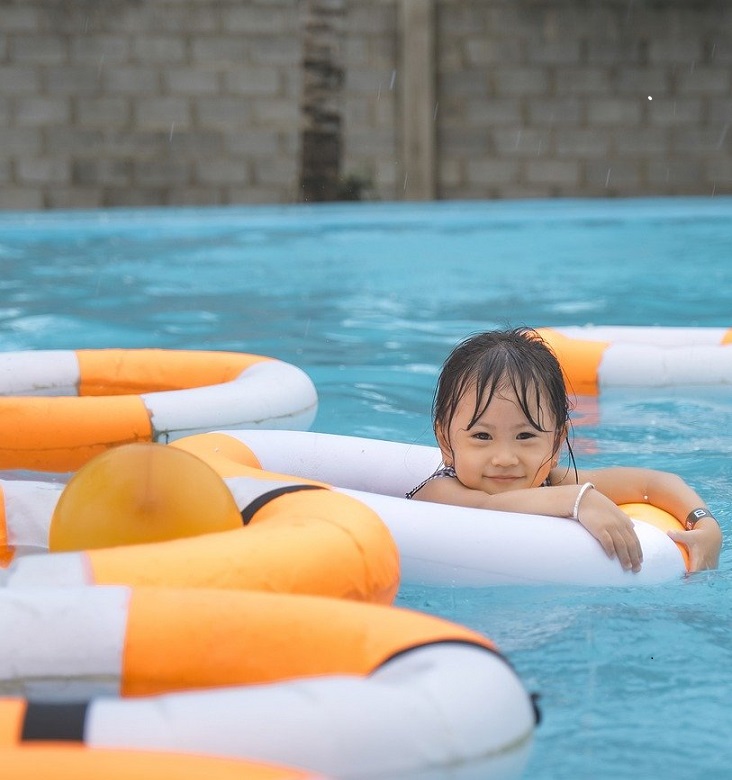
(59, 408)
(350, 690)
(597, 357)
(440, 544)
(297, 536)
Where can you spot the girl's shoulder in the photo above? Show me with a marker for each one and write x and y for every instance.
(443, 471)
(562, 476)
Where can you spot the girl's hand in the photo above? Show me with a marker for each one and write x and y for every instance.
(612, 528)
(703, 543)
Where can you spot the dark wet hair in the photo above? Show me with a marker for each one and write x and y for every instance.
(518, 359)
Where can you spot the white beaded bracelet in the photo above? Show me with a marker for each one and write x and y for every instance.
(575, 512)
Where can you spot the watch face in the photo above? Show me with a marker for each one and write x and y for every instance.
(694, 516)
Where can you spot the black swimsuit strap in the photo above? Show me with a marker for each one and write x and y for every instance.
(443, 471)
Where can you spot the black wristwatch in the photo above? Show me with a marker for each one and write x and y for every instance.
(695, 516)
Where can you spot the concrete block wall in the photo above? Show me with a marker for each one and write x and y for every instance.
(584, 98)
(148, 102)
(197, 102)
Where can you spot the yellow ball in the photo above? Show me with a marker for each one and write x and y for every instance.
(661, 519)
(139, 493)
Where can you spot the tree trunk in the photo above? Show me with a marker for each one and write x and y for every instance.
(320, 174)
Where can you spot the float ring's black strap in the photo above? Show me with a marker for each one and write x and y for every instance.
(251, 509)
(54, 722)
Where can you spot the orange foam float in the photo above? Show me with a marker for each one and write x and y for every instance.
(60, 408)
(594, 358)
(344, 689)
(439, 544)
(119, 521)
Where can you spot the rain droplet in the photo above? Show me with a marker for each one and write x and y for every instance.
(725, 129)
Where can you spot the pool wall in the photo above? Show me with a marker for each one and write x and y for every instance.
(200, 102)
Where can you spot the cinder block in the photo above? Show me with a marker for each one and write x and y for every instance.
(614, 111)
(44, 170)
(522, 142)
(521, 80)
(39, 48)
(100, 49)
(256, 19)
(582, 81)
(491, 172)
(550, 111)
(494, 112)
(254, 80)
(163, 172)
(674, 111)
(132, 80)
(704, 80)
(221, 49)
(74, 197)
(582, 143)
(646, 141)
(675, 172)
(104, 112)
(20, 143)
(20, 79)
(159, 49)
(73, 80)
(553, 172)
(190, 81)
(273, 111)
(20, 18)
(21, 198)
(42, 111)
(612, 176)
(161, 112)
(222, 172)
(220, 111)
(273, 172)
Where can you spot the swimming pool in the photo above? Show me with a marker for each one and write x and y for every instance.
(368, 299)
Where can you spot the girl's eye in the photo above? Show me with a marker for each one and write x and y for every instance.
(526, 435)
(482, 436)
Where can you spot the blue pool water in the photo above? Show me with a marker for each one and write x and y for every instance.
(368, 299)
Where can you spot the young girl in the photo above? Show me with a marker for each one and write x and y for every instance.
(501, 415)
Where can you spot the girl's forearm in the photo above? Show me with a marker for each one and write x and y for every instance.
(559, 501)
(662, 489)
(671, 493)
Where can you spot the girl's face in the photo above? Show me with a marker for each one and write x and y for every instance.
(502, 451)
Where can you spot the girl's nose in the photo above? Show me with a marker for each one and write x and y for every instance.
(504, 455)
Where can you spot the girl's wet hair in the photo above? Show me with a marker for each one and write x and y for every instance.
(518, 359)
